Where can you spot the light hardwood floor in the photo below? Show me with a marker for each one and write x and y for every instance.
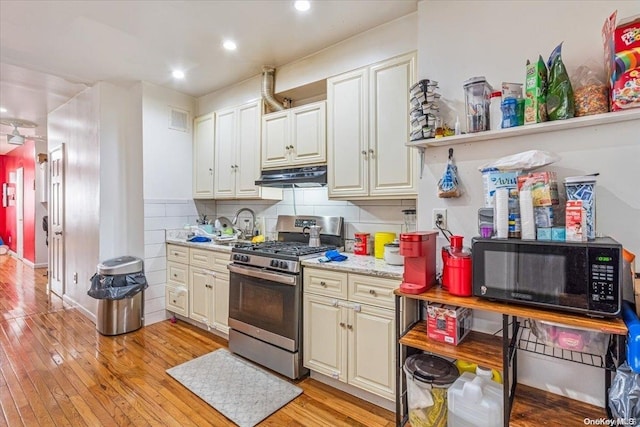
(56, 370)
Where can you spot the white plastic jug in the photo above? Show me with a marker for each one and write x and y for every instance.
(475, 401)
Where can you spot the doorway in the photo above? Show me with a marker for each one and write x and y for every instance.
(56, 221)
(20, 213)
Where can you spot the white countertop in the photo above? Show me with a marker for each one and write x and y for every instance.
(362, 264)
(179, 237)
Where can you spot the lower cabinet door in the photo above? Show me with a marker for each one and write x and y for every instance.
(371, 333)
(325, 338)
(200, 295)
(221, 305)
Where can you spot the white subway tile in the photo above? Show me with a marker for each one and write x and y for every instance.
(155, 317)
(154, 304)
(154, 291)
(158, 277)
(154, 210)
(381, 214)
(349, 213)
(154, 236)
(155, 250)
(169, 222)
(187, 209)
(155, 264)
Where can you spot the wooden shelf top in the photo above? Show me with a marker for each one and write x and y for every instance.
(483, 349)
(534, 408)
(437, 294)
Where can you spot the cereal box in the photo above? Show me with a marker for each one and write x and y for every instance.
(535, 109)
(493, 180)
(544, 187)
(447, 323)
(622, 61)
(576, 221)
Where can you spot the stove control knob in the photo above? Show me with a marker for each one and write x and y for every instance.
(245, 258)
(236, 257)
(273, 263)
(284, 265)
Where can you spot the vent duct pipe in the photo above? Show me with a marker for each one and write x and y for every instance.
(268, 87)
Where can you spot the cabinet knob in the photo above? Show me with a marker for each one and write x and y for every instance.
(342, 324)
(236, 166)
(323, 284)
(372, 292)
(350, 327)
(175, 275)
(371, 151)
(174, 301)
(364, 153)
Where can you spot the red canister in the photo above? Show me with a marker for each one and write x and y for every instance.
(456, 271)
(361, 245)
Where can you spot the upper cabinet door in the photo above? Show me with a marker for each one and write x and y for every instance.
(308, 134)
(225, 171)
(248, 151)
(275, 140)
(392, 164)
(347, 127)
(203, 136)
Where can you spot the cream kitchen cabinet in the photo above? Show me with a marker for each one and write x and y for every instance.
(352, 339)
(198, 285)
(203, 142)
(368, 120)
(237, 163)
(295, 137)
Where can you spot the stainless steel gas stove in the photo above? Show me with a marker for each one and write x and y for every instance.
(265, 292)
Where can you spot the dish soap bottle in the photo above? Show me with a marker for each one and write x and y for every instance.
(457, 126)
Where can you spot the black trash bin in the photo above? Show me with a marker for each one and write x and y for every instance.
(119, 286)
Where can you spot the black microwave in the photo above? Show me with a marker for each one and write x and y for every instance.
(580, 277)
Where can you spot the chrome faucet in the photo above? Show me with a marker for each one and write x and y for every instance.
(248, 231)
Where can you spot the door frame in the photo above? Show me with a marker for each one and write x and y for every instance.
(56, 224)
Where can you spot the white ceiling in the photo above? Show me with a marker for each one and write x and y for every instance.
(51, 50)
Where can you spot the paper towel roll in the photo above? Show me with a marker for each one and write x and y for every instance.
(501, 214)
(527, 218)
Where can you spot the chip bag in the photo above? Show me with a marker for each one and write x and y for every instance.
(560, 102)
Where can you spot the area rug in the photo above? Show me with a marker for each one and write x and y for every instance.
(241, 391)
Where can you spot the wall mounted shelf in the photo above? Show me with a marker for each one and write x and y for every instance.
(558, 125)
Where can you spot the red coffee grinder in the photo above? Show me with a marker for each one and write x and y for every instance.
(456, 268)
(419, 251)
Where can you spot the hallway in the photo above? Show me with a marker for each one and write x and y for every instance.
(56, 370)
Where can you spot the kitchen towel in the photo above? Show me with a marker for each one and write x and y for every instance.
(241, 391)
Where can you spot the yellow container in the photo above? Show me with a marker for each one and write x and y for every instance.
(381, 239)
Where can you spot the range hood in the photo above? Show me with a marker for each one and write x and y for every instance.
(309, 176)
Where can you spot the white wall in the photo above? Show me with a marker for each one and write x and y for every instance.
(167, 165)
(449, 55)
(385, 41)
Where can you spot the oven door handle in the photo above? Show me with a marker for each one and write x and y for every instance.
(263, 274)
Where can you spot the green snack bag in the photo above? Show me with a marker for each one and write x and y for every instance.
(535, 110)
(560, 102)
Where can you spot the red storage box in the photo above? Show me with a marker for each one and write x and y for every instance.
(447, 323)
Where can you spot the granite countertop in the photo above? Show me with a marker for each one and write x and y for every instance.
(179, 237)
(362, 264)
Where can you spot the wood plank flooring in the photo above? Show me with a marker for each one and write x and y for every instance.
(56, 370)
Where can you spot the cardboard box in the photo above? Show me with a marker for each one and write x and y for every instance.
(493, 180)
(622, 61)
(544, 187)
(576, 221)
(447, 323)
(535, 89)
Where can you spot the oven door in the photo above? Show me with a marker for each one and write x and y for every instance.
(265, 305)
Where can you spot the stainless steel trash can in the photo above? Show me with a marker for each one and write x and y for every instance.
(119, 316)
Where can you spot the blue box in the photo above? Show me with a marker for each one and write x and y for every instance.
(544, 233)
(558, 234)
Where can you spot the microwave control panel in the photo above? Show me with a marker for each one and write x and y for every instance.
(605, 288)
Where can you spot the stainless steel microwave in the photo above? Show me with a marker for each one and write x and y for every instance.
(580, 277)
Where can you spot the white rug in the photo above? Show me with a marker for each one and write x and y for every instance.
(238, 389)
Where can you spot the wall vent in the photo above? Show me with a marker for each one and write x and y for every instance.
(178, 119)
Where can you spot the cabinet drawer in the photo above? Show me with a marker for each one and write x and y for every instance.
(177, 274)
(219, 264)
(178, 254)
(325, 282)
(372, 290)
(201, 258)
(176, 299)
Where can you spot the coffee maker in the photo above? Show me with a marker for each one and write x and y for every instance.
(419, 251)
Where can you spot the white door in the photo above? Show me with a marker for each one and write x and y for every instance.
(308, 130)
(392, 165)
(203, 134)
(275, 140)
(248, 151)
(225, 170)
(372, 350)
(325, 336)
(56, 221)
(347, 140)
(20, 213)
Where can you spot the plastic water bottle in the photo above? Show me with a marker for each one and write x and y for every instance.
(495, 111)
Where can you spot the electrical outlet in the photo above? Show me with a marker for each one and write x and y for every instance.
(75, 278)
(439, 218)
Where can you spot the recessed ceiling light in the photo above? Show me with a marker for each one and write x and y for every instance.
(302, 5)
(229, 45)
(3, 110)
(178, 74)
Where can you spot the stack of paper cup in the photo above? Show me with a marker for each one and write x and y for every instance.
(501, 215)
(527, 219)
